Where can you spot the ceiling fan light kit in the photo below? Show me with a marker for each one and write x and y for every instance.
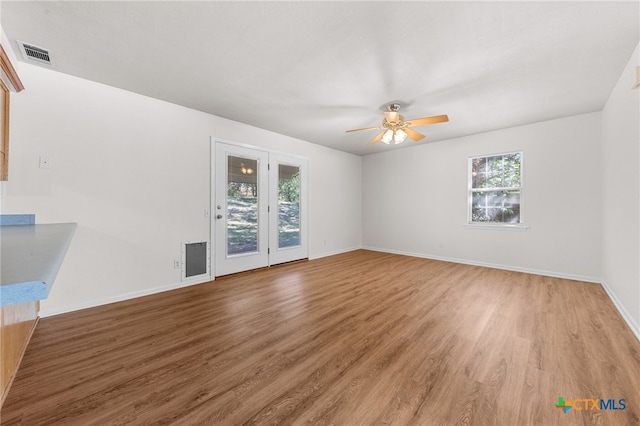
(397, 136)
(395, 129)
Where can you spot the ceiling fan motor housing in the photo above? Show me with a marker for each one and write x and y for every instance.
(392, 117)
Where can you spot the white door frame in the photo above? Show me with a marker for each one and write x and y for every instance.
(280, 255)
(287, 254)
(226, 263)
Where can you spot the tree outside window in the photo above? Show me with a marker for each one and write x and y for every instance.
(495, 188)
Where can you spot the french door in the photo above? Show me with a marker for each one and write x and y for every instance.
(259, 208)
(287, 209)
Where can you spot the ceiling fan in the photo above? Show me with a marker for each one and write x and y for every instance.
(395, 129)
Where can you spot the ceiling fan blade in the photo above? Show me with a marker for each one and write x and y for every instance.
(376, 139)
(416, 136)
(428, 120)
(365, 128)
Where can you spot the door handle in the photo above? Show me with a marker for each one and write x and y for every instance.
(219, 216)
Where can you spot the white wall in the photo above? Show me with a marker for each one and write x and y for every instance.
(621, 195)
(415, 199)
(134, 173)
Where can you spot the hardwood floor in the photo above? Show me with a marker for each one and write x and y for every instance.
(361, 338)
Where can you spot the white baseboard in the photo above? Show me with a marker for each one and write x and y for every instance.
(623, 312)
(44, 312)
(119, 297)
(625, 315)
(333, 253)
(491, 265)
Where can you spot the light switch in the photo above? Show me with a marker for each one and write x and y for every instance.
(45, 163)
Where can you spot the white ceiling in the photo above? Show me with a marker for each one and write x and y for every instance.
(312, 70)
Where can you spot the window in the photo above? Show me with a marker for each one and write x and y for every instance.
(495, 189)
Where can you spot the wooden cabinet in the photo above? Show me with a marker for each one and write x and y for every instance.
(9, 82)
(16, 322)
(4, 144)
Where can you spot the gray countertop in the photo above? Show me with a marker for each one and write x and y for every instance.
(30, 257)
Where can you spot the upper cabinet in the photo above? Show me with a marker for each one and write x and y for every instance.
(9, 82)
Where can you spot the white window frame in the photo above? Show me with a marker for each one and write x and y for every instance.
(495, 225)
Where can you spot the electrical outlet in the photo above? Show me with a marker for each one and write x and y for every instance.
(176, 264)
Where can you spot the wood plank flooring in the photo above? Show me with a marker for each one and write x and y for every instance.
(362, 338)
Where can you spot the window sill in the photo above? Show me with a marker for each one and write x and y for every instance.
(498, 226)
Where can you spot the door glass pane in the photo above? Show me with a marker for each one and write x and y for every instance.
(242, 205)
(288, 206)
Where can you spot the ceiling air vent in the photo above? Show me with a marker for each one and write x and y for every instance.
(36, 54)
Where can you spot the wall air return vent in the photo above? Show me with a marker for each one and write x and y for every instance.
(195, 260)
(36, 54)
